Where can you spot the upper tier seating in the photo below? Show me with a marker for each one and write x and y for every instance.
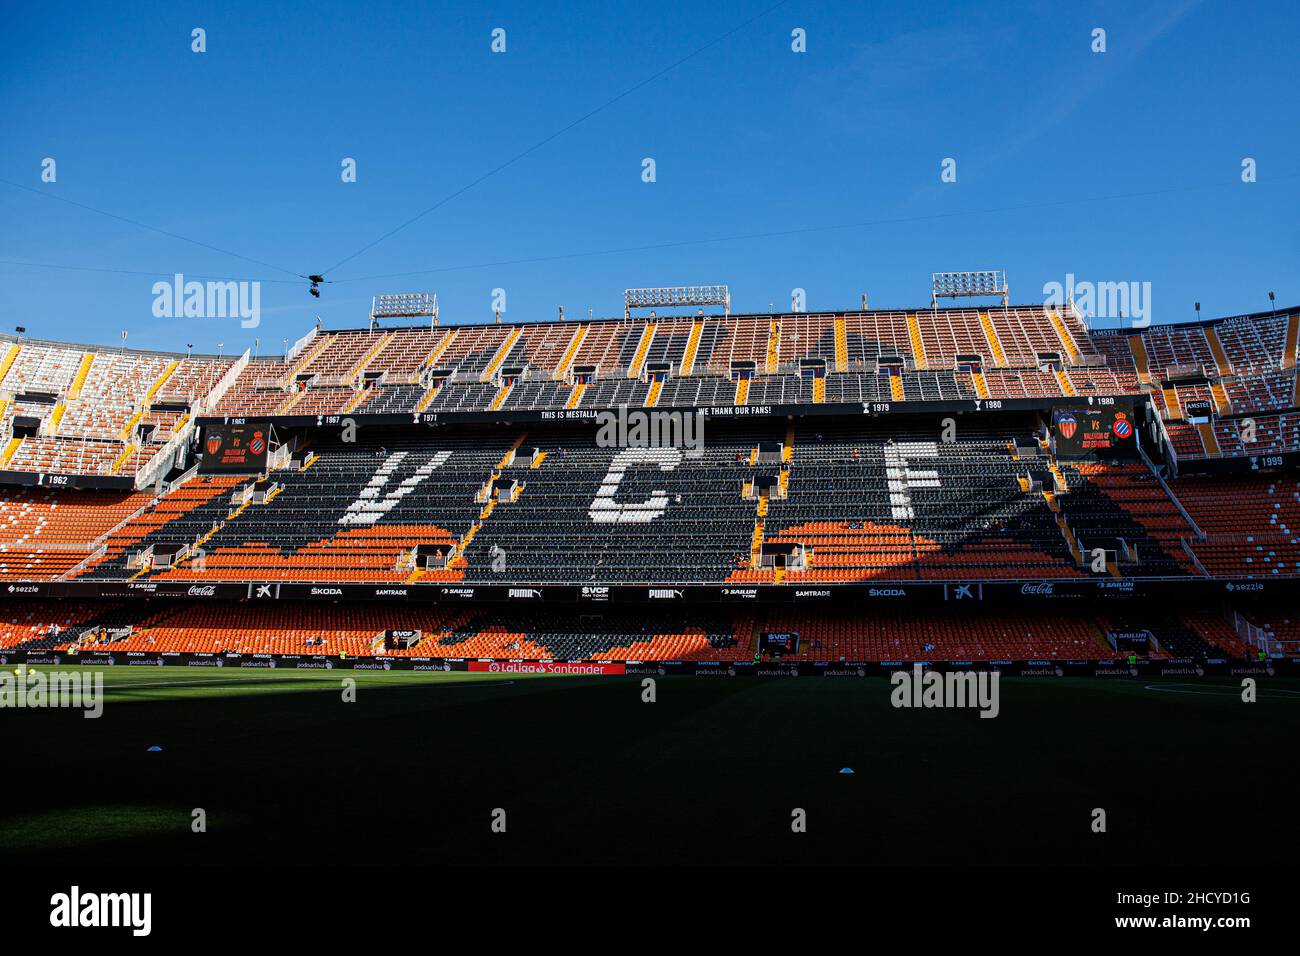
(869, 335)
(89, 404)
(1176, 345)
(42, 368)
(1273, 434)
(1013, 346)
(89, 401)
(1269, 392)
(1254, 346)
(79, 456)
(192, 380)
(1185, 439)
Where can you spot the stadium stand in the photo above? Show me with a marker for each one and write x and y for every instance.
(780, 496)
(89, 400)
(178, 520)
(1256, 345)
(706, 349)
(942, 636)
(1171, 347)
(879, 504)
(611, 634)
(45, 533)
(93, 407)
(860, 502)
(1251, 525)
(1194, 636)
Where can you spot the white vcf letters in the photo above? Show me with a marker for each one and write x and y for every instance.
(605, 510)
(903, 478)
(369, 507)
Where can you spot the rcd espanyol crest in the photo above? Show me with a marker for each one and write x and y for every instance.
(1122, 428)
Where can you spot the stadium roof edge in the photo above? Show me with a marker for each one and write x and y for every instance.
(90, 347)
(9, 337)
(1265, 314)
(784, 315)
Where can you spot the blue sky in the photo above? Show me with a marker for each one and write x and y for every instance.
(1119, 166)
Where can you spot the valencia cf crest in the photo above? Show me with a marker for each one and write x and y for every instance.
(1122, 428)
(213, 444)
(1067, 426)
(258, 444)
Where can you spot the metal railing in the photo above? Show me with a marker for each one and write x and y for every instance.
(165, 457)
(302, 343)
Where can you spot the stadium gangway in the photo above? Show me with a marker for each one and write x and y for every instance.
(95, 555)
(1170, 494)
(1257, 636)
(168, 486)
(1195, 560)
(164, 458)
(1171, 454)
(223, 385)
(301, 344)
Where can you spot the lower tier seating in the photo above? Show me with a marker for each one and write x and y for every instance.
(46, 532)
(1251, 524)
(611, 634)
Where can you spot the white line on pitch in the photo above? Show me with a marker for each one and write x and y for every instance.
(1231, 691)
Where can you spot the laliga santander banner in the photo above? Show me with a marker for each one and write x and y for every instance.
(546, 667)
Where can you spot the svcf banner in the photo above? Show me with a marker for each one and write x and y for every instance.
(235, 448)
(1095, 431)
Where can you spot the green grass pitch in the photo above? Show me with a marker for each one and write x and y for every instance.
(411, 772)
